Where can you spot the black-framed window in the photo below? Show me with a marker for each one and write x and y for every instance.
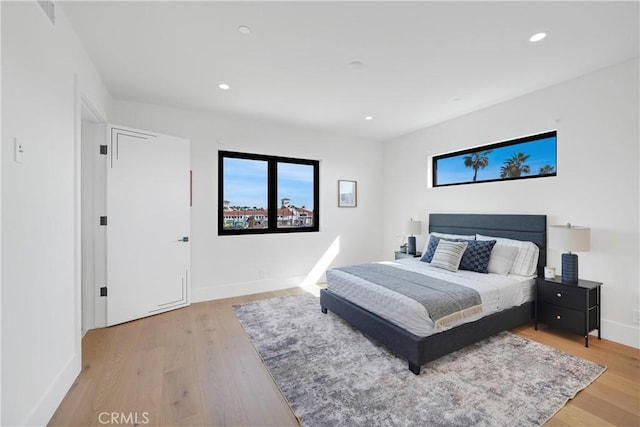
(267, 194)
(527, 157)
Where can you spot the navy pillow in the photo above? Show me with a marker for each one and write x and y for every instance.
(476, 257)
(427, 256)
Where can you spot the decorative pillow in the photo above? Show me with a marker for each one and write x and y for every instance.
(430, 249)
(453, 237)
(476, 257)
(501, 259)
(526, 260)
(448, 254)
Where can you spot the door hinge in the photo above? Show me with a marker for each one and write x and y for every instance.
(103, 291)
(103, 149)
(103, 220)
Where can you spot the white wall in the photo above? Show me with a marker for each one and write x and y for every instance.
(225, 266)
(597, 183)
(44, 73)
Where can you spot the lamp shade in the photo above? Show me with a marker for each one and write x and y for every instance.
(413, 227)
(570, 238)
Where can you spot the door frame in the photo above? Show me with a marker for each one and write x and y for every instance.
(90, 248)
(88, 306)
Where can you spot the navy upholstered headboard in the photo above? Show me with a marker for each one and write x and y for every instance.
(532, 228)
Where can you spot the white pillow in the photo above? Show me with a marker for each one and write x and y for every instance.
(447, 236)
(526, 261)
(448, 255)
(501, 259)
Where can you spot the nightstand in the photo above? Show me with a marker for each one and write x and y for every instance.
(400, 255)
(575, 308)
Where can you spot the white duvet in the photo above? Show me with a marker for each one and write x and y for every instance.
(497, 292)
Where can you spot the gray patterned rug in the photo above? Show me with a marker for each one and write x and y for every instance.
(333, 375)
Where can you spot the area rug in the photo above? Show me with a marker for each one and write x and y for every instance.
(333, 375)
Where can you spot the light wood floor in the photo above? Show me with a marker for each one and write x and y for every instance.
(196, 367)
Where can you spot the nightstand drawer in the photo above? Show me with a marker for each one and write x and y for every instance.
(564, 295)
(562, 317)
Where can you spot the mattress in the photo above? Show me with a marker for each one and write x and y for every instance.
(497, 293)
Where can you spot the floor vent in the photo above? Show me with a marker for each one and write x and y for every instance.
(49, 9)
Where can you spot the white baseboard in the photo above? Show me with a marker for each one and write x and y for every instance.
(620, 333)
(244, 288)
(45, 408)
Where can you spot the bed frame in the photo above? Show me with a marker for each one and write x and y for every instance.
(420, 350)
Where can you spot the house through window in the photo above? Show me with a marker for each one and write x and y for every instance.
(266, 194)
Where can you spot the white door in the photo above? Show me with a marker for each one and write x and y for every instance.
(147, 224)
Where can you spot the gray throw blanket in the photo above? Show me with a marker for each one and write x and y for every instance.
(446, 302)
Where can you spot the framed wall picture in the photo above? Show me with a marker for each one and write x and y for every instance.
(347, 194)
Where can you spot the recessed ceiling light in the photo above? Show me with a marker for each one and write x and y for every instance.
(537, 37)
(243, 29)
(224, 86)
(356, 65)
(457, 99)
(369, 118)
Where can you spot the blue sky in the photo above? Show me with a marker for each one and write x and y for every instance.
(542, 152)
(295, 182)
(245, 183)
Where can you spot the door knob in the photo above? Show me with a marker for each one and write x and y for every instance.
(184, 239)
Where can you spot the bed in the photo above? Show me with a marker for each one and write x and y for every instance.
(417, 349)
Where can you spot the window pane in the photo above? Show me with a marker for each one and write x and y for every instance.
(527, 157)
(295, 195)
(245, 193)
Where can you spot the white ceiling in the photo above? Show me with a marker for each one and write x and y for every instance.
(424, 62)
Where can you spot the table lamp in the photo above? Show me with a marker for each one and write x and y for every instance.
(412, 227)
(570, 238)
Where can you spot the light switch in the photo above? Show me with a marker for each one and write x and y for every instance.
(18, 151)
